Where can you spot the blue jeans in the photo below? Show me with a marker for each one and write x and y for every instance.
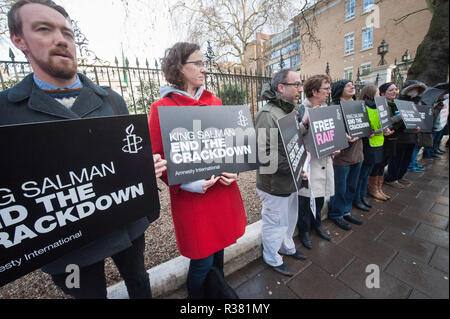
(198, 270)
(437, 137)
(414, 161)
(361, 190)
(345, 184)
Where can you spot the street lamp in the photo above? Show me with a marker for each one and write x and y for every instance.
(406, 56)
(383, 49)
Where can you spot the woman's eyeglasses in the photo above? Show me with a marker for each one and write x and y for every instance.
(199, 64)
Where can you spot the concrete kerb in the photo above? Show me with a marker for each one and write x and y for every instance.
(171, 275)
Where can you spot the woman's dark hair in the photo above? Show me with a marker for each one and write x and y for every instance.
(368, 93)
(14, 20)
(384, 87)
(174, 58)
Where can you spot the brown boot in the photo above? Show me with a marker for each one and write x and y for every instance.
(372, 188)
(380, 180)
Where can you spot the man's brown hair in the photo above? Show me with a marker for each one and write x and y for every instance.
(14, 20)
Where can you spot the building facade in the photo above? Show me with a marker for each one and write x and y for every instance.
(348, 34)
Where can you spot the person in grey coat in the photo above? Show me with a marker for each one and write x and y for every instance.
(54, 92)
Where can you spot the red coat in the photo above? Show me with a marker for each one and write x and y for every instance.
(204, 223)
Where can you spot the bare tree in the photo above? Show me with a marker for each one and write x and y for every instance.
(231, 26)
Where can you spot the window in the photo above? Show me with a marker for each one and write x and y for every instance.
(366, 68)
(349, 10)
(367, 6)
(295, 60)
(349, 44)
(348, 73)
(367, 38)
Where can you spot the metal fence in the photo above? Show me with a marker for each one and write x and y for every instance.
(139, 85)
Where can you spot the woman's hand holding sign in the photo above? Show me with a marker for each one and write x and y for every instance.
(228, 178)
(209, 183)
(160, 165)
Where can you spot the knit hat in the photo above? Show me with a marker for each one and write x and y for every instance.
(413, 84)
(337, 88)
(384, 87)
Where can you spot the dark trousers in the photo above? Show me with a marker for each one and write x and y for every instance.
(198, 270)
(129, 262)
(306, 219)
(361, 190)
(398, 165)
(389, 149)
(345, 183)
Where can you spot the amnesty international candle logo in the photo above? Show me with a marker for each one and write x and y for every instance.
(76, 192)
(243, 120)
(132, 140)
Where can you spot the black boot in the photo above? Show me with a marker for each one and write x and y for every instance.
(360, 206)
(366, 202)
(322, 234)
(306, 241)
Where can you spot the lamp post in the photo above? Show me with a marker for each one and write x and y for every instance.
(406, 56)
(383, 49)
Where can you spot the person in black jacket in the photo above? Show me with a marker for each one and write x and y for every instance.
(54, 92)
(406, 139)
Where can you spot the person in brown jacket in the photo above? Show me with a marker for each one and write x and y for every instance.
(347, 166)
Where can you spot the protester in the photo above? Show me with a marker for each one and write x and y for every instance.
(208, 215)
(440, 117)
(372, 148)
(55, 91)
(376, 178)
(406, 140)
(321, 177)
(347, 166)
(277, 190)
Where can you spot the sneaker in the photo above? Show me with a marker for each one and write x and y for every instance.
(420, 166)
(282, 269)
(439, 151)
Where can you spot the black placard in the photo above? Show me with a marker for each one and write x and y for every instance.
(293, 145)
(426, 113)
(326, 133)
(383, 112)
(410, 115)
(201, 141)
(356, 118)
(64, 184)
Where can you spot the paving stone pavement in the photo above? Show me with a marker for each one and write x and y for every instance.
(407, 238)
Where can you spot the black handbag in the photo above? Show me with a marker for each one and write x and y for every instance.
(215, 286)
(424, 139)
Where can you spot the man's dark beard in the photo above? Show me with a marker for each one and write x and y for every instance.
(64, 71)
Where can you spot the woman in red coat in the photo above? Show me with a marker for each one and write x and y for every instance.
(208, 215)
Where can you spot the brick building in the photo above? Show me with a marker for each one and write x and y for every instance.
(350, 32)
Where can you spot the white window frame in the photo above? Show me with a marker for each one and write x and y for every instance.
(368, 5)
(349, 51)
(348, 71)
(365, 45)
(365, 65)
(349, 10)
